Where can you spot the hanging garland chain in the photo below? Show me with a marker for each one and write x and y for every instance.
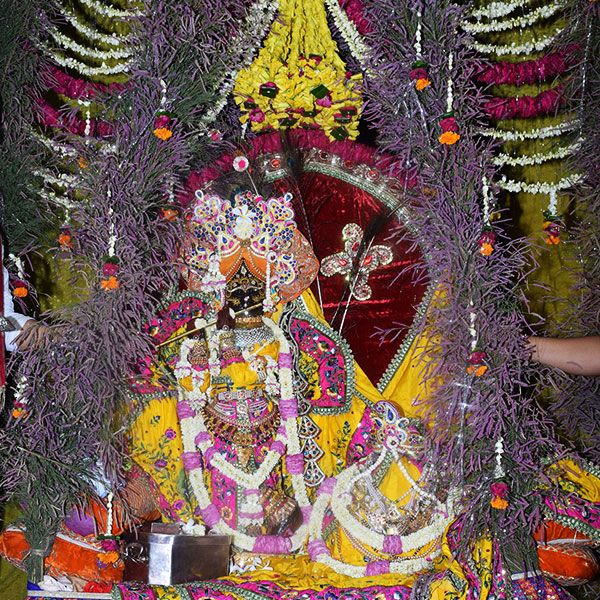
(532, 134)
(499, 9)
(103, 38)
(543, 12)
(351, 35)
(67, 43)
(515, 48)
(536, 159)
(510, 185)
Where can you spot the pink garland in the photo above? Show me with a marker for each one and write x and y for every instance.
(544, 103)
(64, 84)
(349, 152)
(52, 118)
(356, 13)
(530, 71)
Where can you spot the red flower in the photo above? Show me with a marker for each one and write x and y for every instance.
(477, 357)
(499, 489)
(449, 124)
(109, 269)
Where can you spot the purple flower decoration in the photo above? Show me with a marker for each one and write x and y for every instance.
(170, 434)
(178, 505)
(161, 463)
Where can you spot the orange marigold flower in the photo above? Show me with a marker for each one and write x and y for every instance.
(82, 162)
(422, 83)
(479, 370)
(169, 214)
(64, 239)
(163, 133)
(21, 291)
(108, 557)
(17, 413)
(449, 138)
(499, 503)
(112, 283)
(486, 249)
(553, 239)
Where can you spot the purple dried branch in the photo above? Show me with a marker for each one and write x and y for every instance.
(468, 413)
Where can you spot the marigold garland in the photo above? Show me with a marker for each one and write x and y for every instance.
(308, 85)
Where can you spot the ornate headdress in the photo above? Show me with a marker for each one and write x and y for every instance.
(260, 232)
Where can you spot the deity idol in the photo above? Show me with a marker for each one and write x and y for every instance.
(257, 422)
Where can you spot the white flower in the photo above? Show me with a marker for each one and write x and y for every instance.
(240, 163)
(244, 226)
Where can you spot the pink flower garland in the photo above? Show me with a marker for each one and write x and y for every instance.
(53, 118)
(544, 103)
(356, 13)
(64, 84)
(350, 152)
(530, 71)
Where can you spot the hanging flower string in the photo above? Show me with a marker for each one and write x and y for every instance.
(419, 73)
(552, 221)
(20, 401)
(450, 133)
(111, 261)
(488, 237)
(477, 357)
(162, 122)
(19, 286)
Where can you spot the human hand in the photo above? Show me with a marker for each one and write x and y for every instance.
(32, 335)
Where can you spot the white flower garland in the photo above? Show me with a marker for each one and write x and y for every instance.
(418, 32)
(112, 39)
(535, 159)
(515, 48)
(499, 469)
(510, 185)
(499, 9)
(67, 43)
(449, 97)
(485, 190)
(351, 35)
(472, 328)
(54, 198)
(531, 134)
(260, 16)
(108, 11)
(65, 180)
(112, 238)
(543, 12)
(191, 426)
(82, 68)
(410, 542)
(62, 149)
(552, 203)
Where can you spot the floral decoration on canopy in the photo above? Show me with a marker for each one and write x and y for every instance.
(298, 78)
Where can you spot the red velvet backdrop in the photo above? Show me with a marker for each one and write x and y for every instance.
(329, 204)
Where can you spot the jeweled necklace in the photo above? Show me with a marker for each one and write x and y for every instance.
(200, 451)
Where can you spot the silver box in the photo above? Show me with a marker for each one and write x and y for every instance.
(161, 558)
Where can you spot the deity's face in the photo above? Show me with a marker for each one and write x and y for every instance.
(245, 292)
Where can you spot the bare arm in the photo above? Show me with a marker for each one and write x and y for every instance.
(577, 356)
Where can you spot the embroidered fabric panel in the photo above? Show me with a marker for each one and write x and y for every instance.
(254, 590)
(331, 363)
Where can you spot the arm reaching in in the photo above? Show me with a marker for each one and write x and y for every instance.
(577, 356)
